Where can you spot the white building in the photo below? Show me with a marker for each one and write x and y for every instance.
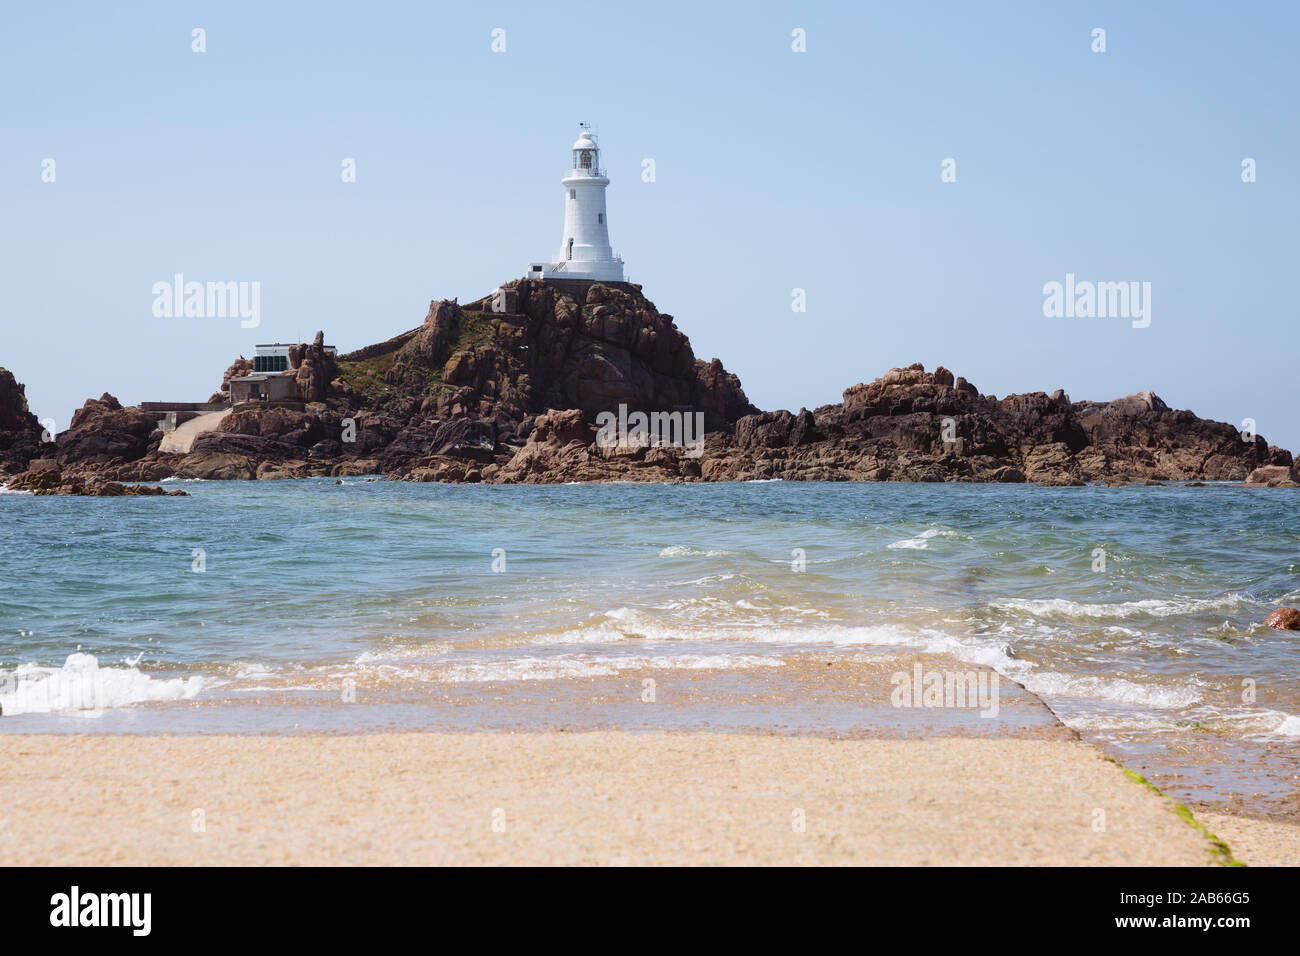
(585, 252)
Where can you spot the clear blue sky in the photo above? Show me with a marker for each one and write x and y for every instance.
(775, 170)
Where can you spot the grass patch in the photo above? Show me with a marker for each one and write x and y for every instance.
(477, 329)
(366, 379)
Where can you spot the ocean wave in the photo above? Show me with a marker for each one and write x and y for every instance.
(1113, 689)
(1121, 723)
(400, 653)
(707, 579)
(555, 668)
(625, 623)
(1151, 607)
(922, 540)
(82, 686)
(686, 551)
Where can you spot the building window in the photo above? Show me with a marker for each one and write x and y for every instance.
(600, 218)
(573, 194)
(270, 363)
(586, 159)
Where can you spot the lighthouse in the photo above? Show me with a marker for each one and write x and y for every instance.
(585, 252)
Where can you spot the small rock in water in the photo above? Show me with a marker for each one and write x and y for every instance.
(1284, 619)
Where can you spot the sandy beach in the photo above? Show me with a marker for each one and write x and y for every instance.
(577, 798)
(583, 771)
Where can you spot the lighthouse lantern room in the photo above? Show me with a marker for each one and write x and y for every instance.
(585, 252)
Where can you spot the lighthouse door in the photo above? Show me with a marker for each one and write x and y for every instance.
(570, 255)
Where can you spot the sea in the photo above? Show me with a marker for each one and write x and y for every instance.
(1135, 614)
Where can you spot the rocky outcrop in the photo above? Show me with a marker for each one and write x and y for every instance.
(470, 384)
(217, 466)
(562, 443)
(102, 430)
(1141, 436)
(20, 432)
(1274, 476)
(509, 388)
(585, 345)
(44, 477)
(239, 367)
(286, 426)
(315, 369)
(913, 425)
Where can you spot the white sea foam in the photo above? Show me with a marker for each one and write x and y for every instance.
(630, 624)
(82, 686)
(624, 623)
(1289, 727)
(707, 579)
(922, 540)
(1063, 608)
(1124, 723)
(554, 668)
(250, 671)
(1114, 689)
(400, 653)
(686, 551)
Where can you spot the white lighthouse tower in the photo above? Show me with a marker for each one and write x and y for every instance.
(585, 252)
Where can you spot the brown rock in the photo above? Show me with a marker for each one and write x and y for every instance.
(274, 471)
(240, 367)
(1284, 619)
(1272, 476)
(20, 432)
(315, 369)
(45, 478)
(102, 430)
(559, 428)
(216, 466)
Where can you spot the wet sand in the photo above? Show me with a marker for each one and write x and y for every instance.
(1255, 842)
(576, 798)
(807, 694)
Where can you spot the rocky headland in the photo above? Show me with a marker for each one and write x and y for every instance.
(509, 389)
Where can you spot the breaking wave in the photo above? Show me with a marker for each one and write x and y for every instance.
(82, 686)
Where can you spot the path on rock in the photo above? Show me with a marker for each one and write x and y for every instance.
(181, 440)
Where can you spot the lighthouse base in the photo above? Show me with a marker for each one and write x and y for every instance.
(609, 270)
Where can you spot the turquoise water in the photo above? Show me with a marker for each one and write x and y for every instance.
(104, 606)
